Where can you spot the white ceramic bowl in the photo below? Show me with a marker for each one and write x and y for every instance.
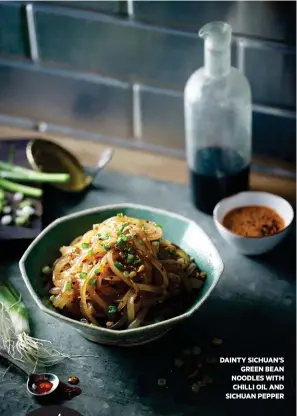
(253, 245)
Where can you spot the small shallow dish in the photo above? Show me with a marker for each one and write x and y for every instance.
(186, 233)
(253, 245)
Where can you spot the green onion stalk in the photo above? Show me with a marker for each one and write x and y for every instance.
(10, 173)
(15, 337)
(15, 332)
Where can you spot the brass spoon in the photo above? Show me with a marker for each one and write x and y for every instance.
(48, 156)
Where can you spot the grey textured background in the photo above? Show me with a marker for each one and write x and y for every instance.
(117, 69)
(252, 309)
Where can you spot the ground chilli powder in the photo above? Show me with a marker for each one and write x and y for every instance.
(253, 221)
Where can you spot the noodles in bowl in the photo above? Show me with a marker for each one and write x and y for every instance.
(122, 274)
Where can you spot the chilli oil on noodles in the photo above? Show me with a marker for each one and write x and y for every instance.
(122, 274)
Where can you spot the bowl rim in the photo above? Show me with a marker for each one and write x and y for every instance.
(162, 324)
(242, 237)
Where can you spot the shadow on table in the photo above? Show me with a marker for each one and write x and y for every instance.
(58, 203)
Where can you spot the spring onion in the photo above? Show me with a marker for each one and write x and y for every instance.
(39, 177)
(21, 221)
(19, 173)
(119, 265)
(16, 187)
(112, 309)
(15, 330)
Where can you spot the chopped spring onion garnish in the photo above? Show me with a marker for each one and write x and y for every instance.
(106, 247)
(123, 227)
(46, 270)
(68, 287)
(18, 196)
(97, 271)
(85, 245)
(159, 225)
(130, 258)
(92, 282)
(25, 203)
(119, 266)
(7, 209)
(90, 252)
(21, 221)
(120, 214)
(112, 309)
(6, 219)
(122, 239)
(83, 275)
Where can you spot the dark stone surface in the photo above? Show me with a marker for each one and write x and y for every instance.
(252, 310)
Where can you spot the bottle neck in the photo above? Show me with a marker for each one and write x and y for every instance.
(217, 63)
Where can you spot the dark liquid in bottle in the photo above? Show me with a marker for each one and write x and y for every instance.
(219, 172)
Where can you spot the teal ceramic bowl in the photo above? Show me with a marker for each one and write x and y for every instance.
(183, 232)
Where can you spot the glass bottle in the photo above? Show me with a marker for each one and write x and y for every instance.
(218, 113)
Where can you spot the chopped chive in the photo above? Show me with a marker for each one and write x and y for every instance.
(123, 227)
(106, 236)
(46, 270)
(120, 214)
(25, 203)
(21, 221)
(99, 235)
(119, 266)
(92, 282)
(159, 225)
(83, 275)
(122, 239)
(130, 258)
(112, 309)
(97, 271)
(90, 252)
(106, 247)
(85, 245)
(68, 287)
(137, 261)
(52, 298)
(155, 243)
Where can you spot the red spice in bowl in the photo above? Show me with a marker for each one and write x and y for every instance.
(253, 221)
